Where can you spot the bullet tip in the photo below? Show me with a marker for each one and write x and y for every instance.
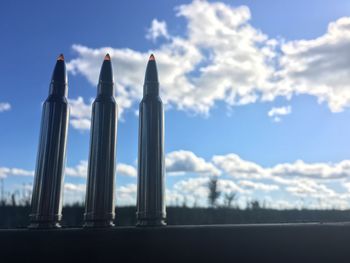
(152, 57)
(107, 57)
(60, 57)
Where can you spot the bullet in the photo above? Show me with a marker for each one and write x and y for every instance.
(151, 169)
(100, 191)
(46, 203)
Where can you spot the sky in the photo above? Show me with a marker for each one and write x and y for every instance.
(256, 93)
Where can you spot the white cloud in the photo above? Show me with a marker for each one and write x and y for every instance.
(312, 170)
(126, 195)
(80, 170)
(307, 188)
(319, 67)
(320, 195)
(189, 191)
(233, 165)
(258, 186)
(80, 114)
(195, 190)
(127, 170)
(276, 112)
(81, 124)
(193, 187)
(5, 106)
(5, 172)
(300, 184)
(158, 29)
(230, 56)
(346, 185)
(74, 193)
(69, 187)
(222, 57)
(180, 162)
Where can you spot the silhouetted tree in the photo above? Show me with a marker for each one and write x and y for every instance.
(176, 201)
(254, 205)
(229, 198)
(184, 202)
(13, 199)
(214, 192)
(195, 202)
(2, 191)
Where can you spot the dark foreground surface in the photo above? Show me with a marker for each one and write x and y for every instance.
(17, 216)
(231, 243)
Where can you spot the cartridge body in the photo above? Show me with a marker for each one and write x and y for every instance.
(100, 188)
(46, 204)
(100, 193)
(151, 168)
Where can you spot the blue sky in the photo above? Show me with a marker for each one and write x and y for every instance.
(257, 93)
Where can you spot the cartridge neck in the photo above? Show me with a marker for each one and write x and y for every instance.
(151, 87)
(105, 89)
(58, 89)
(58, 85)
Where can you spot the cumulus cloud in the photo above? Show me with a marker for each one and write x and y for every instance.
(319, 67)
(258, 186)
(230, 60)
(312, 170)
(69, 187)
(127, 170)
(80, 114)
(307, 188)
(307, 181)
(5, 106)
(126, 194)
(312, 185)
(80, 170)
(223, 58)
(276, 112)
(158, 29)
(5, 172)
(194, 191)
(180, 162)
(233, 165)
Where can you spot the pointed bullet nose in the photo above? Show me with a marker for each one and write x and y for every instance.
(107, 57)
(151, 57)
(60, 57)
(151, 70)
(59, 78)
(59, 74)
(106, 74)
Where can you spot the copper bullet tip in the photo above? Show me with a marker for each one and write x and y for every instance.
(152, 57)
(107, 57)
(60, 57)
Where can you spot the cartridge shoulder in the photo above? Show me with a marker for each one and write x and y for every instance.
(151, 98)
(57, 99)
(105, 99)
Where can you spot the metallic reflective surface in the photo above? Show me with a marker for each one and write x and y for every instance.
(100, 193)
(151, 169)
(46, 204)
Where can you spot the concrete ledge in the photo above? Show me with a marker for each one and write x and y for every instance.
(215, 243)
